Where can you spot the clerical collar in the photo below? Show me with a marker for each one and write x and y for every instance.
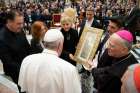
(122, 58)
(48, 51)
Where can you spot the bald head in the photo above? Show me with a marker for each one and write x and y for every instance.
(130, 83)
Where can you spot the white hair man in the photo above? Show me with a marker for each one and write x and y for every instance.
(46, 72)
(115, 61)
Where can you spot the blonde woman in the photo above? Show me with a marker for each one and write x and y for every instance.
(71, 12)
(70, 39)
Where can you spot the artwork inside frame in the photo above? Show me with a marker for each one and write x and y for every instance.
(88, 44)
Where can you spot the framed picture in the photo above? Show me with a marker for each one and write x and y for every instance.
(88, 44)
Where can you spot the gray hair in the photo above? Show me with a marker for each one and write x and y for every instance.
(127, 44)
(53, 45)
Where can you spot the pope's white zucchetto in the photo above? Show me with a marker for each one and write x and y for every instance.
(53, 35)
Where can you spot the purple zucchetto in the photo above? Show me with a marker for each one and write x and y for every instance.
(126, 35)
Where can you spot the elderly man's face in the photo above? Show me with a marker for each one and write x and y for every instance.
(112, 27)
(16, 24)
(115, 48)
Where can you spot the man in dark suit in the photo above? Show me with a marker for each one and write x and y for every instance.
(114, 62)
(13, 44)
(90, 21)
(132, 22)
(115, 24)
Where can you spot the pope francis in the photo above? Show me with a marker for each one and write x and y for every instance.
(46, 72)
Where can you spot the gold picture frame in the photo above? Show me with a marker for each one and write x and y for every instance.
(88, 44)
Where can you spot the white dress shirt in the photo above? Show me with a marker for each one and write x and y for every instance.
(89, 23)
(47, 73)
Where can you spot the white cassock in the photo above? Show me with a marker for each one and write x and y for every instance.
(47, 73)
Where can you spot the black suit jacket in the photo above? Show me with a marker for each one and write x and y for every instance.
(2, 19)
(36, 46)
(131, 22)
(94, 24)
(14, 48)
(108, 74)
(101, 45)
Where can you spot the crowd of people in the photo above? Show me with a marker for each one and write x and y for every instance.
(46, 64)
(43, 10)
